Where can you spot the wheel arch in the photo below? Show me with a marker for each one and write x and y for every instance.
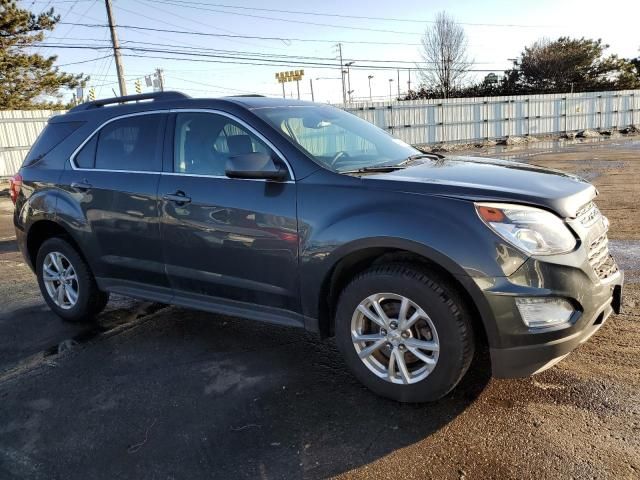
(357, 258)
(41, 231)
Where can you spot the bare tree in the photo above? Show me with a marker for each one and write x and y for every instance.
(444, 51)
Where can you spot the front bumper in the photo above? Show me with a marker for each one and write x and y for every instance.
(525, 360)
(518, 351)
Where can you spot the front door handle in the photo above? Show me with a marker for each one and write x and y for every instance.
(81, 186)
(179, 198)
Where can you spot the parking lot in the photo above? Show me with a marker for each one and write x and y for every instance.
(155, 391)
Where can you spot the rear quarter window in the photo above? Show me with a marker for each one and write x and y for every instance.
(52, 135)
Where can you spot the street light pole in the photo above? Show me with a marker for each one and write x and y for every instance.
(349, 91)
(370, 77)
(390, 92)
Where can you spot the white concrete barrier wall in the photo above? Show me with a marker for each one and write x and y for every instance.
(459, 120)
(455, 120)
(18, 130)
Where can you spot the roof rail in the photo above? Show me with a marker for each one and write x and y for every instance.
(129, 98)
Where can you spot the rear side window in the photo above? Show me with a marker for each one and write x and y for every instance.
(52, 135)
(86, 158)
(129, 144)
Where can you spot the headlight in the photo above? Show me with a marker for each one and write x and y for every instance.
(533, 230)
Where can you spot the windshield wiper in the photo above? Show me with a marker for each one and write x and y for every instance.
(395, 166)
(417, 156)
(375, 168)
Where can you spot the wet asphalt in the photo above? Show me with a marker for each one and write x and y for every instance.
(153, 391)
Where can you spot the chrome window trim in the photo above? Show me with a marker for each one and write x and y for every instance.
(72, 158)
(245, 125)
(199, 175)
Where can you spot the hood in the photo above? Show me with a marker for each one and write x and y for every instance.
(483, 179)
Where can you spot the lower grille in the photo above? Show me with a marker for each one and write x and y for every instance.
(600, 259)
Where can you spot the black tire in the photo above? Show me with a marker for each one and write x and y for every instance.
(446, 309)
(90, 300)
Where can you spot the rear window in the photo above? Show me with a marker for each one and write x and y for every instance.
(52, 135)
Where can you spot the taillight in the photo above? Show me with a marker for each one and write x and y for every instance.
(15, 184)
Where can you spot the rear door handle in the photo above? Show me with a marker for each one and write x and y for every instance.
(179, 197)
(81, 186)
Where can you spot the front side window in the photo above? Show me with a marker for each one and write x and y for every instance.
(336, 139)
(205, 141)
(129, 144)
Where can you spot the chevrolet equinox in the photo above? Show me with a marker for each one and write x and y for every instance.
(304, 215)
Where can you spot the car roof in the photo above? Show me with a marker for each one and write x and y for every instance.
(255, 101)
(112, 107)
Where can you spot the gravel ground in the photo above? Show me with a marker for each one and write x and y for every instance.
(164, 392)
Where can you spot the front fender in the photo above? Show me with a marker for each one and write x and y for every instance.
(442, 230)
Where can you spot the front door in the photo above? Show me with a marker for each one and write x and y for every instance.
(226, 238)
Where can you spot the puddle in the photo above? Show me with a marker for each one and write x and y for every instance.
(544, 147)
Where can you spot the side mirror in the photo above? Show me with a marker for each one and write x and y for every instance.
(254, 165)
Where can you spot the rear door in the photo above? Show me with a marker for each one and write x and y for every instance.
(114, 179)
(233, 239)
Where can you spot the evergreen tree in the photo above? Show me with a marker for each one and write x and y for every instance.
(27, 78)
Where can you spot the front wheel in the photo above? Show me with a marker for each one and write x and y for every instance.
(404, 333)
(66, 282)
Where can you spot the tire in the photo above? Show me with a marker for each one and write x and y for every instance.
(89, 300)
(443, 325)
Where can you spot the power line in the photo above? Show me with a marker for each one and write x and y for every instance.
(303, 22)
(254, 58)
(341, 15)
(254, 37)
(83, 61)
(105, 44)
(164, 22)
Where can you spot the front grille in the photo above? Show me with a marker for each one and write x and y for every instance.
(600, 259)
(588, 214)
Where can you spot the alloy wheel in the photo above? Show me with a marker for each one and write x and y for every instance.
(395, 338)
(60, 280)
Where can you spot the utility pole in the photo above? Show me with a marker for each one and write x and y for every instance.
(370, 77)
(311, 84)
(116, 49)
(409, 81)
(344, 94)
(160, 79)
(390, 92)
(398, 83)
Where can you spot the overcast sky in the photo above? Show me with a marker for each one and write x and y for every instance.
(507, 27)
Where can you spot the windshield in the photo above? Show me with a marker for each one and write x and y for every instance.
(337, 139)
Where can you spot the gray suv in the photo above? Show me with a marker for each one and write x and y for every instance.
(300, 214)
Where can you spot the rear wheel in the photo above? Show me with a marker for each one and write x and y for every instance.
(66, 282)
(404, 333)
